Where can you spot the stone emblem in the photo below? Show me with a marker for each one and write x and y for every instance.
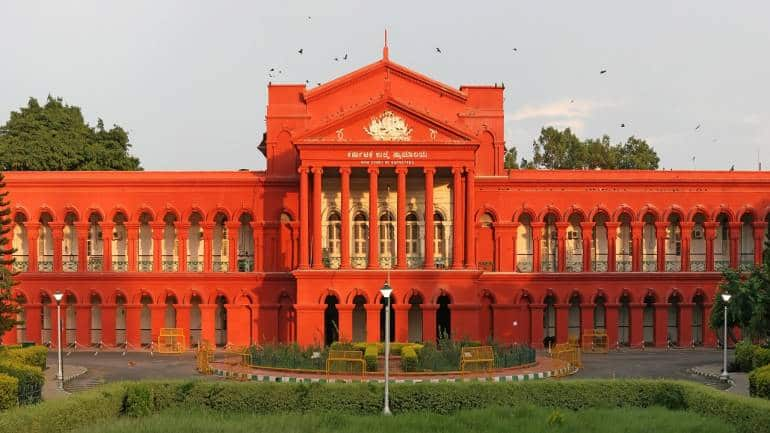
(389, 127)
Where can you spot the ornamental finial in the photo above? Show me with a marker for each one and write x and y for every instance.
(385, 48)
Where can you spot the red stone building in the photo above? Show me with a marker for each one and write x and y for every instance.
(381, 173)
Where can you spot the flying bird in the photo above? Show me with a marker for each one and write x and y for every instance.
(571, 101)
(345, 57)
(300, 50)
(515, 49)
(603, 71)
(732, 167)
(697, 127)
(438, 50)
(336, 59)
(622, 125)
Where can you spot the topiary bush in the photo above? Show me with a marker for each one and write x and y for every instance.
(9, 391)
(759, 382)
(34, 355)
(370, 357)
(409, 358)
(761, 357)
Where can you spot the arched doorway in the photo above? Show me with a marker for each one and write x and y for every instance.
(698, 319)
(673, 318)
(220, 321)
(648, 320)
(71, 322)
(120, 319)
(169, 316)
(600, 314)
(383, 302)
(443, 317)
(485, 243)
(574, 244)
(524, 244)
(45, 319)
(487, 318)
(624, 320)
(599, 245)
(359, 318)
(331, 320)
(96, 319)
(145, 321)
(574, 324)
(287, 319)
(415, 317)
(649, 244)
(549, 321)
(195, 319)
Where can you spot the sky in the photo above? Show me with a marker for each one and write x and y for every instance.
(188, 79)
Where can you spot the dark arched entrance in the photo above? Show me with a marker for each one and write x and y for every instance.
(331, 320)
(443, 318)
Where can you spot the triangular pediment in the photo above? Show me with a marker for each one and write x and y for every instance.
(386, 121)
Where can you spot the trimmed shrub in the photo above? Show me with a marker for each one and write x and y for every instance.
(759, 382)
(370, 357)
(30, 380)
(9, 391)
(408, 358)
(744, 355)
(761, 357)
(33, 355)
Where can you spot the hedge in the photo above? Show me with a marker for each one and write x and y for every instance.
(30, 380)
(750, 356)
(761, 357)
(759, 382)
(370, 357)
(9, 389)
(408, 359)
(142, 398)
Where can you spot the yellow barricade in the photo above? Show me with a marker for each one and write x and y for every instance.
(481, 355)
(171, 340)
(596, 341)
(237, 355)
(204, 356)
(349, 357)
(567, 353)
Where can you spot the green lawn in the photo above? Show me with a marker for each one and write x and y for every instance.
(521, 419)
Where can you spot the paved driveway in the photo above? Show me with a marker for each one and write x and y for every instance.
(113, 366)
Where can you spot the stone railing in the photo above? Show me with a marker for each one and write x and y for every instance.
(674, 265)
(20, 262)
(574, 264)
(649, 263)
(600, 265)
(144, 264)
(119, 264)
(548, 266)
(69, 263)
(359, 262)
(45, 264)
(387, 262)
(720, 264)
(169, 263)
(332, 262)
(245, 264)
(623, 263)
(523, 262)
(95, 263)
(195, 265)
(414, 262)
(219, 264)
(440, 262)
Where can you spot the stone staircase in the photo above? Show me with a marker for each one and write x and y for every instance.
(83, 383)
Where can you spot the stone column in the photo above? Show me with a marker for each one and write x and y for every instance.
(637, 228)
(108, 324)
(157, 320)
(587, 319)
(374, 237)
(132, 234)
(428, 218)
(345, 313)
(402, 321)
(133, 324)
(561, 248)
(373, 322)
(537, 237)
(58, 235)
(208, 239)
(470, 218)
(660, 237)
(505, 256)
(183, 234)
(232, 254)
(83, 324)
(686, 228)
(685, 323)
(710, 228)
(612, 235)
(562, 322)
(304, 217)
(310, 324)
(317, 251)
(33, 313)
(345, 216)
(401, 217)
(157, 246)
(33, 232)
(107, 229)
(759, 239)
(183, 321)
(504, 315)
(428, 322)
(457, 246)
(83, 233)
(537, 311)
(587, 231)
(208, 322)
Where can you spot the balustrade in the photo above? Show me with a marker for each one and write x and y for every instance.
(219, 264)
(20, 262)
(623, 263)
(523, 262)
(674, 265)
(144, 264)
(697, 262)
(119, 264)
(332, 262)
(69, 263)
(245, 263)
(720, 264)
(574, 264)
(415, 262)
(45, 263)
(649, 263)
(599, 263)
(169, 263)
(195, 265)
(95, 263)
(387, 262)
(359, 262)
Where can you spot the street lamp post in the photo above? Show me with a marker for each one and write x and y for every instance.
(386, 291)
(60, 372)
(724, 376)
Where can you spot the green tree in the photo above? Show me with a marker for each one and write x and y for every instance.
(510, 159)
(54, 136)
(9, 305)
(555, 149)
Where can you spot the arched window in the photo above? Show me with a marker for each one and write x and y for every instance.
(698, 244)
(20, 244)
(246, 244)
(45, 245)
(524, 244)
(413, 248)
(747, 240)
(673, 244)
(574, 244)
(119, 242)
(220, 244)
(360, 240)
(333, 240)
(95, 243)
(623, 244)
(387, 240)
(70, 244)
(548, 249)
(170, 244)
(649, 245)
(145, 249)
(195, 244)
(440, 253)
(599, 244)
(722, 244)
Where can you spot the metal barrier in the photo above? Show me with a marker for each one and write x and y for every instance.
(204, 355)
(481, 355)
(595, 341)
(171, 340)
(237, 355)
(569, 354)
(349, 357)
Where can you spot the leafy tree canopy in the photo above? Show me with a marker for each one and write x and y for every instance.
(562, 149)
(54, 136)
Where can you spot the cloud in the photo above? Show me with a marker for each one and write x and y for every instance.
(560, 114)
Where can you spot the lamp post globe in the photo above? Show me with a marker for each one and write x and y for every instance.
(58, 296)
(725, 376)
(386, 292)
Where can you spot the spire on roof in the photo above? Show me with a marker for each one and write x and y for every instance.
(385, 48)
